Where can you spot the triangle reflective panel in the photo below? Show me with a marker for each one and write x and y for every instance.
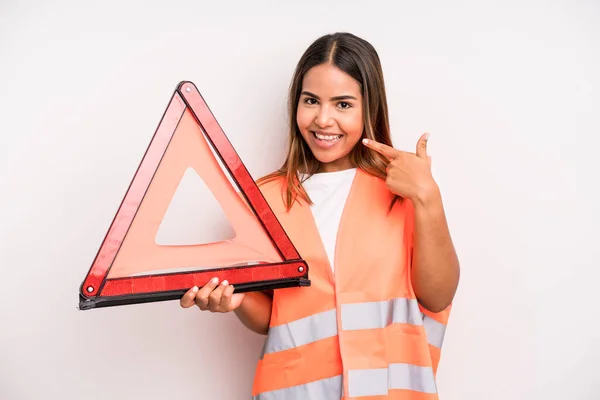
(251, 249)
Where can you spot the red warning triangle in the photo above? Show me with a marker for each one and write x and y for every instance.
(130, 267)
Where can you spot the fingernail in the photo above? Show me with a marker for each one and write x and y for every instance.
(365, 141)
(215, 280)
(427, 136)
(225, 283)
(195, 289)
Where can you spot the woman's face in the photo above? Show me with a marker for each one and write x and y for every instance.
(330, 116)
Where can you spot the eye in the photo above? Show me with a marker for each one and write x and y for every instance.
(344, 105)
(310, 101)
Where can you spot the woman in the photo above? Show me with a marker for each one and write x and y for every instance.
(369, 220)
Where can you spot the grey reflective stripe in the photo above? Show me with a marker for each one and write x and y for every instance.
(378, 381)
(435, 331)
(302, 331)
(368, 382)
(412, 377)
(379, 314)
(324, 389)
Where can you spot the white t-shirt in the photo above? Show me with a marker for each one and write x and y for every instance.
(328, 192)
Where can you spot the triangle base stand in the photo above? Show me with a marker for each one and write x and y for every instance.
(88, 304)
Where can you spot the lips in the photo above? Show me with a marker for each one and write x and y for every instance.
(326, 140)
(327, 137)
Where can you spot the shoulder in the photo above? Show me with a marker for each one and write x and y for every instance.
(272, 186)
(270, 181)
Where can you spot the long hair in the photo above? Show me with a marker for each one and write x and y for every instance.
(357, 58)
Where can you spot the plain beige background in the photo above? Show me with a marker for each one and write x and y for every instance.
(509, 91)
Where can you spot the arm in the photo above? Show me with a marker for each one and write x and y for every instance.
(435, 270)
(255, 312)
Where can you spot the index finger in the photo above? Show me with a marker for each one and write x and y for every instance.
(381, 148)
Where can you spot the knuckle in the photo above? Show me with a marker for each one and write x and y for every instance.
(201, 301)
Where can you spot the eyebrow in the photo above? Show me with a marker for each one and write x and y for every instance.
(344, 97)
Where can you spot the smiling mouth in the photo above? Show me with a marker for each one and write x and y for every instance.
(327, 138)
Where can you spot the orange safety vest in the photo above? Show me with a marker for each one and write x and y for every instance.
(358, 332)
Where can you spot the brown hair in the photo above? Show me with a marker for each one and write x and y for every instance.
(357, 58)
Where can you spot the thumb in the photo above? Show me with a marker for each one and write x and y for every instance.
(236, 299)
(422, 146)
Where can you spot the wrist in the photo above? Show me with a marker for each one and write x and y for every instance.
(427, 196)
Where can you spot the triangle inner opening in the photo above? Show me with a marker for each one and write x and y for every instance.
(194, 215)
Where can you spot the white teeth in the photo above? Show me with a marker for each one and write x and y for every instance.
(329, 138)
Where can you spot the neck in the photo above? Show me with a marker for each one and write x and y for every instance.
(335, 166)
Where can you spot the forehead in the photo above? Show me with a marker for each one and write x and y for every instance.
(327, 79)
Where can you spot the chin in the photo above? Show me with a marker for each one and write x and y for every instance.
(330, 158)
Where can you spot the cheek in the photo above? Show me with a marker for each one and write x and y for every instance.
(353, 125)
(303, 118)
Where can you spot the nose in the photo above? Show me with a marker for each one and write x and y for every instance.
(323, 118)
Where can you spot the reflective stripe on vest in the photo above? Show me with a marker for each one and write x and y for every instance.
(378, 381)
(300, 332)
(367, 382)
(354, 316)
(380, 314)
